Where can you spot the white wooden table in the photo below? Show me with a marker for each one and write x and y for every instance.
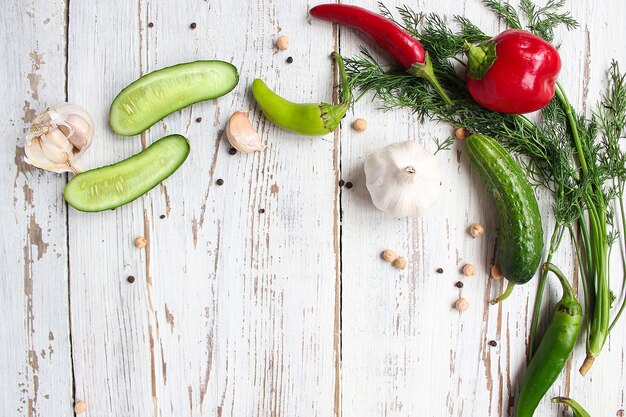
(287, 312)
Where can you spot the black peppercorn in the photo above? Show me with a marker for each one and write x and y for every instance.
(130, 279)
(289, 60)
(193, 25)
(232, 151)
(199, 119)
(150, 24)
(220, 181)
(440, 270)
(493, 343)
(459, 284)
(262, 210)
(349, 185)
(342, 183)
(162, 216)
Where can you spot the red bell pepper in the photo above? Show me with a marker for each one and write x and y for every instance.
(403, 47)
(515, 72)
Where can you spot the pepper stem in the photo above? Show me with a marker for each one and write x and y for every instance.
(578, 410)
(568, 292)
(345, 88)
(480, 58)
(426, 71)
(333, 113)
(505, 294)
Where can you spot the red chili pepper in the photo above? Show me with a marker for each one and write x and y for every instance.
(515, 72)
(389, 36)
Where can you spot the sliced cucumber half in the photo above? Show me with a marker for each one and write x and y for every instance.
(160, 93)
(115, 185)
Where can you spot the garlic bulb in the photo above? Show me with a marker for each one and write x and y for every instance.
(241, 134)
(58, 137)
(403, 179)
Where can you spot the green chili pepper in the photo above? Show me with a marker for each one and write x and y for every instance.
(554, 349)
(311, 119)
(578, 410)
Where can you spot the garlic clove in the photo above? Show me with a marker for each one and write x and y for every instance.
(56, 137)
(34, 153)
(59, 113)
(78, 131)
(242, 135)
(36, 157)
(54, 148)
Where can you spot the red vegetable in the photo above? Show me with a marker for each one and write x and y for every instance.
(389, 36)
(515, 72)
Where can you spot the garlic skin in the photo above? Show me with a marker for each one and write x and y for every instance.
(242, 135)
(403, 179)
(58, 137)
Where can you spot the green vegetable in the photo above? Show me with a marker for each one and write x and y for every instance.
(115, 185)
(578, 159)
(160, 93)
(311, 119)
(578, 410)
(520, 240)
(554, 350)
(602, 180)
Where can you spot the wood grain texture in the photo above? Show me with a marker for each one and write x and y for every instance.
(35, 370)
(232, 310)
(264, 296)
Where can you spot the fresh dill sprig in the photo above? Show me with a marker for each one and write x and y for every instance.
(504, 11)
(443, 145)
(611, 120)
(384, 10)
(543, 20)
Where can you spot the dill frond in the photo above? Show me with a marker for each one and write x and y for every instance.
(504, 11)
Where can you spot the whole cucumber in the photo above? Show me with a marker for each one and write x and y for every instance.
(520, 240)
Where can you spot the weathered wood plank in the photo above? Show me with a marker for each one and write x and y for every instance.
(232, 311)
(405, 350)
(235, 310)
(36, 372)
(110, 325)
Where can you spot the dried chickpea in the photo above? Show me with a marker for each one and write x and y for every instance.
(399, 263)
(469, 270)
(496, 272)
(140, 242)
(80, 407)
(461, 304)
(476, 230)
(282, 42)
(360, 125)
(388, 255)
(460, 133)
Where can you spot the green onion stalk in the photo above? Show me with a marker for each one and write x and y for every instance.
(595, 266)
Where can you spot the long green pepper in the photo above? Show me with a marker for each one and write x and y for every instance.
(310, 119)
(554, 350)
